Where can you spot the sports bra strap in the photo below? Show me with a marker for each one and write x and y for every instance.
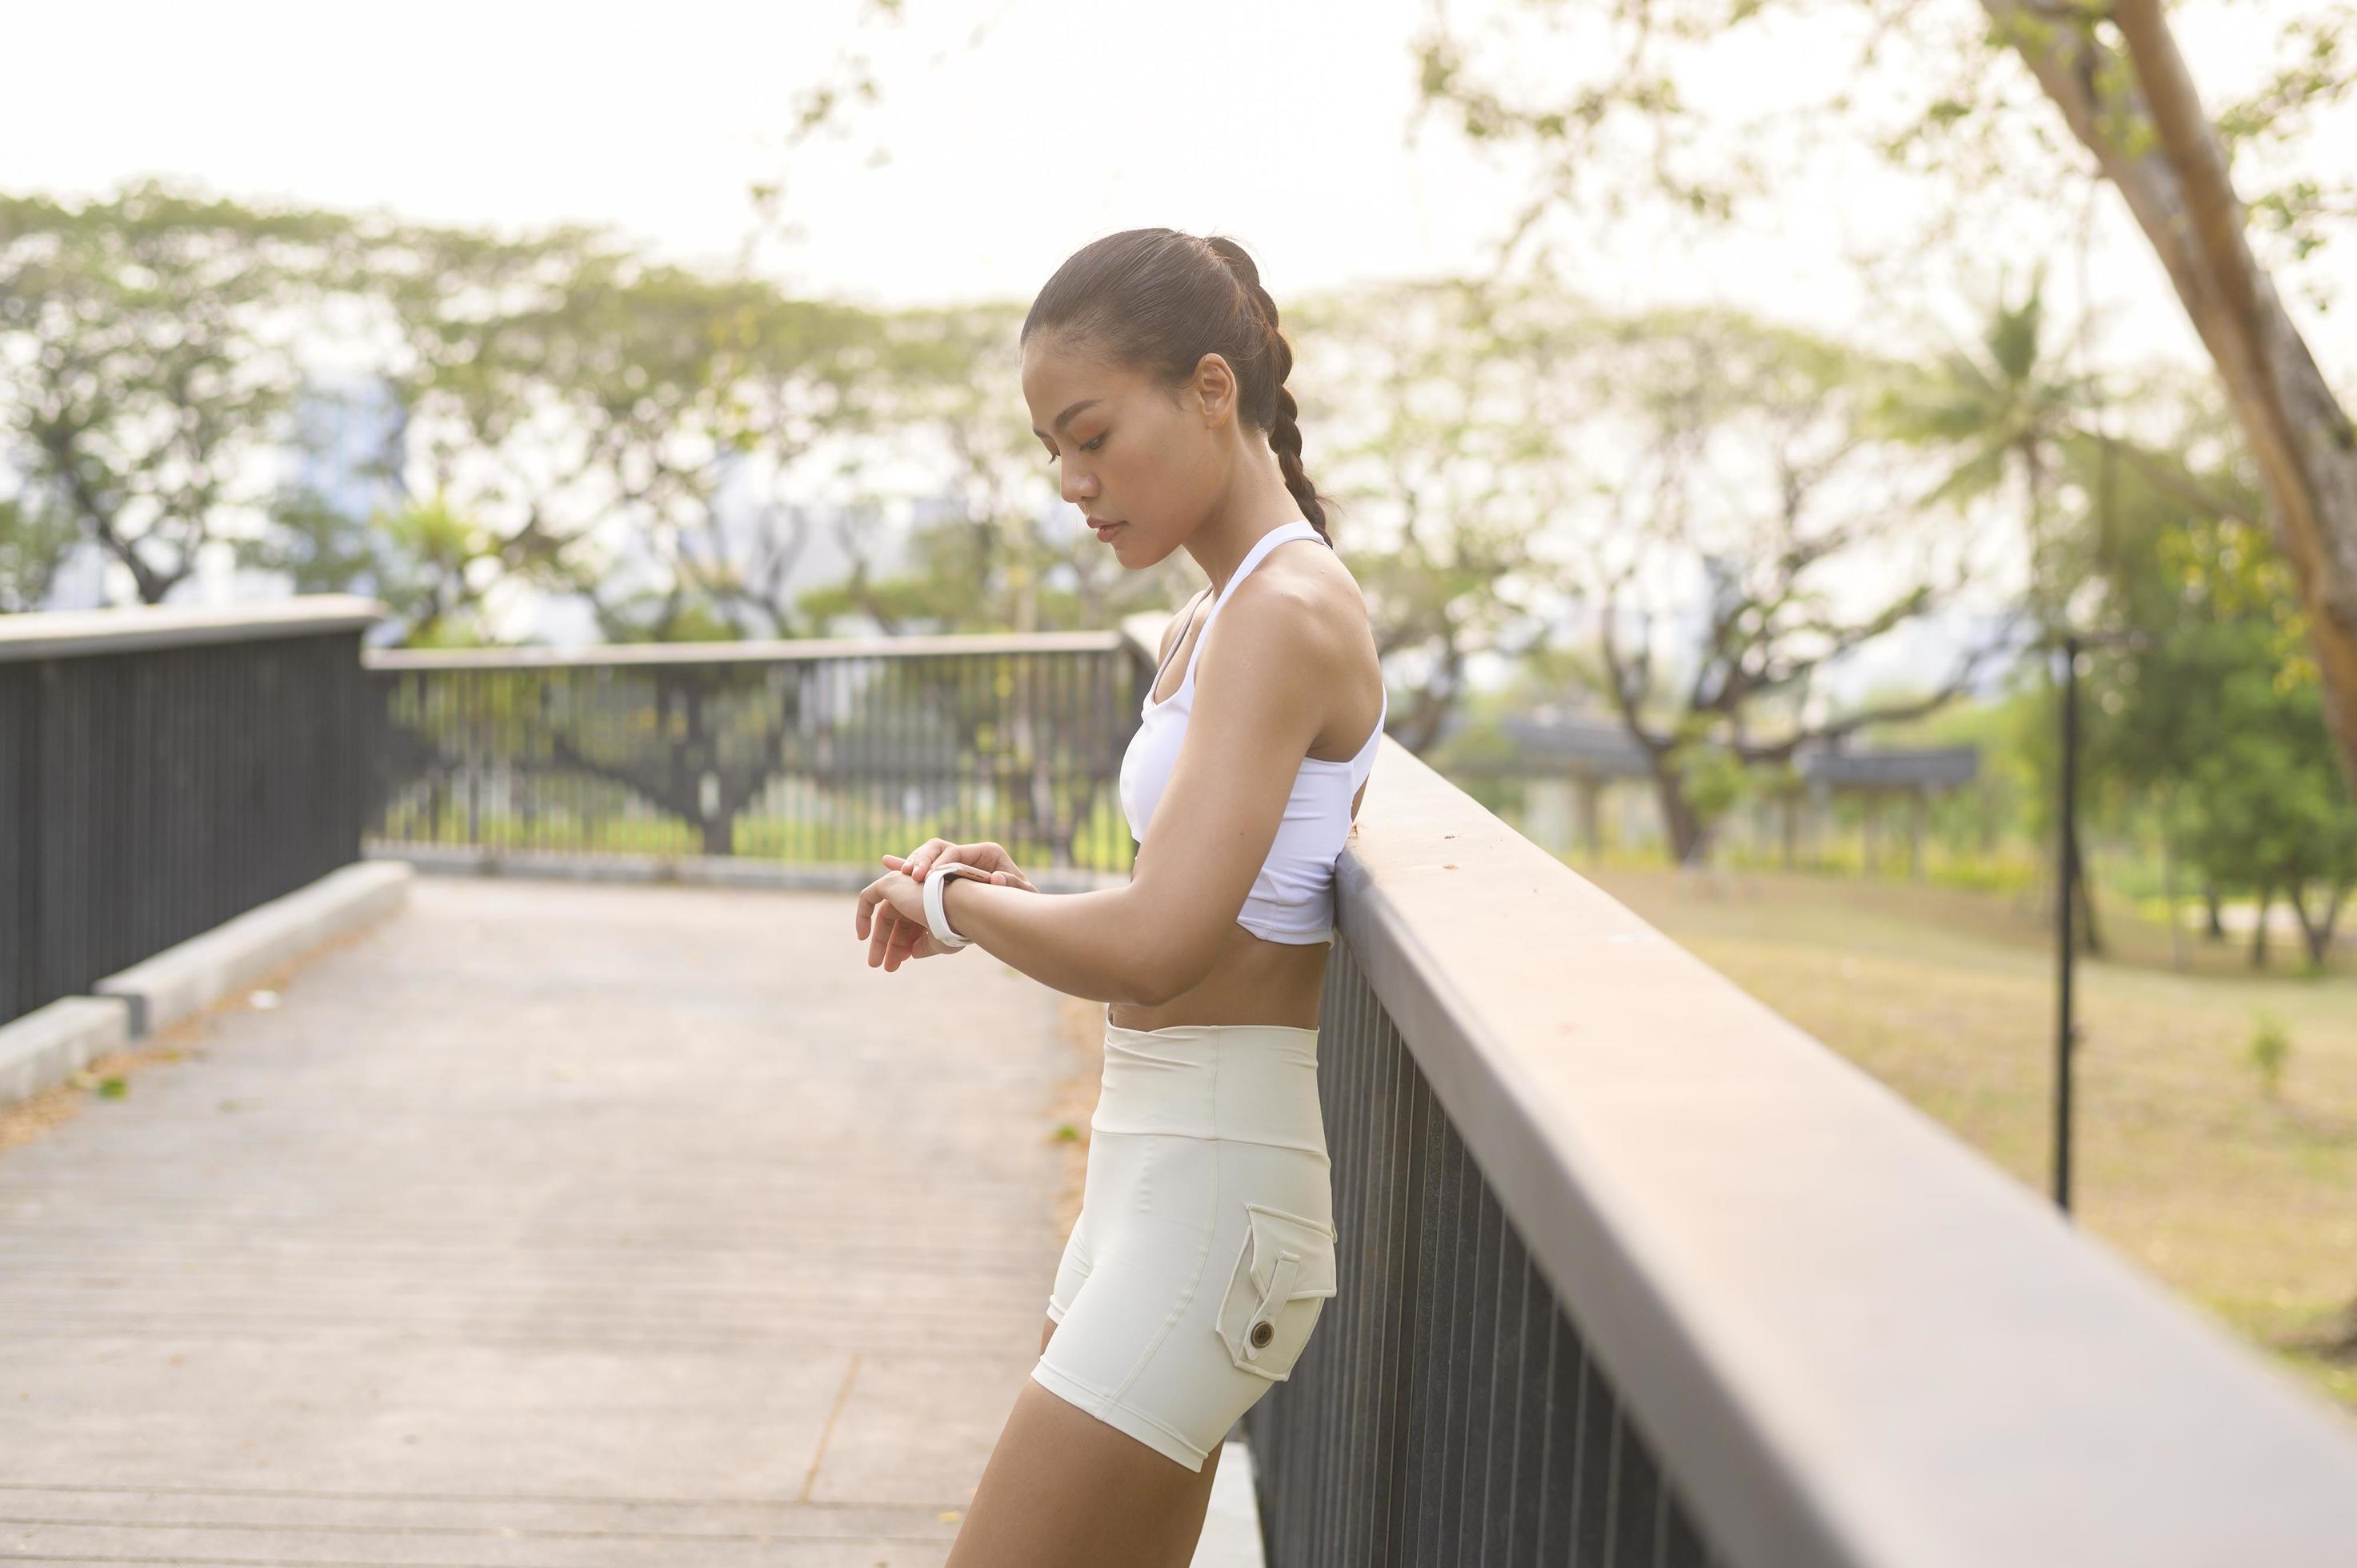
(1158, 669)
(1299, 528)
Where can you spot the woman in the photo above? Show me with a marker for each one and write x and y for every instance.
(1204, 1251)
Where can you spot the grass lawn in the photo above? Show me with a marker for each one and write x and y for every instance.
(2244, 1203)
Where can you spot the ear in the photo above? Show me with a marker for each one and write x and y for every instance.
(1214, 387)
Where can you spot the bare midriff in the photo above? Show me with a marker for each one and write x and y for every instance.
(1254, 981)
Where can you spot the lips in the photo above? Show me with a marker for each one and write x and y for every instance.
(1105, 529)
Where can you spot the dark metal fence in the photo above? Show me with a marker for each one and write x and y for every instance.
(819, 752)
(161, 772)
(1447, 1409)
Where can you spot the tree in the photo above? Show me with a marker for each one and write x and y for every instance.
(2212, 710)
(1441, 415)
(2002, 410)
(2117, 76)
(424, 561)
(586, 405)
(34, 539)
(565, 413)
(1732, 568)
(943, 412)
(148, 343)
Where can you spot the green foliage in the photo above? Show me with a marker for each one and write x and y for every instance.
(1630, 110)
(421, 559)
(2002, 411)
(34, 538)
(1447, 414)
(1768, 485)
(2270, 1049)
(149, 361)
(2213, 713)
(1713, 778)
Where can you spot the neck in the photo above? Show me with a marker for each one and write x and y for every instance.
(1257, 500)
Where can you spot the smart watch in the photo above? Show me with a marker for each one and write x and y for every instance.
(937, 919)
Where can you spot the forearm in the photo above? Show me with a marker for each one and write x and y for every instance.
(1091, 945)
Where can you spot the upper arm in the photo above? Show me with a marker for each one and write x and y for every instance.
(1257, 713)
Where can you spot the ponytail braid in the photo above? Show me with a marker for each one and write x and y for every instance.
(1285, 420)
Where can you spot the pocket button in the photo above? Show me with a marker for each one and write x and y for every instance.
(1262, 1332)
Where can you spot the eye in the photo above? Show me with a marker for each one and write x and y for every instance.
(1085, 445)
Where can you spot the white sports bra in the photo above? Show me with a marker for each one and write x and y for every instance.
(1292, 899)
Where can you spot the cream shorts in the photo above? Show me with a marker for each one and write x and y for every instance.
(1204, 1251)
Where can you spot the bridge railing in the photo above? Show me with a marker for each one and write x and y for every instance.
(163, 770)
(815, 752)
(1634, 1272)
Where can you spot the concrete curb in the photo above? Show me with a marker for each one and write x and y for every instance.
(184, 979)
(51, 1044)
(702, 870)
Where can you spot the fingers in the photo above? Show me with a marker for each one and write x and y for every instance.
(987, 854)
(864, 917)
(921, 860)
(904, 938)
(893, 938)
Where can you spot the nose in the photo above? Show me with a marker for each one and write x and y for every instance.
(1076, 489)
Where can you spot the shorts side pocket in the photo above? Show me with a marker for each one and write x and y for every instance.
(1282, 1274)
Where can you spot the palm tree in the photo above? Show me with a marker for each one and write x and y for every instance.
(2008, 410)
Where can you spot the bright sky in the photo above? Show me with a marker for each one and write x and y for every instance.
(1285, 126)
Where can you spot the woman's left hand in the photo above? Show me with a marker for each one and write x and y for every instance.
(891, 920)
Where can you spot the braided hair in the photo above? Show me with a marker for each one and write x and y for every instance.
(1161, 299)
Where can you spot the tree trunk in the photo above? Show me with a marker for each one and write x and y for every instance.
(2176, 186)
(2317, 929)
(2259, 928)
(2214, 906)
(2168, 901)
(1688, 843)
(718, 833)
(1590, 791)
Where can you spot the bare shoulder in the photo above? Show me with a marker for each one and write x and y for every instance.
(1301, 612)
(1304, 586)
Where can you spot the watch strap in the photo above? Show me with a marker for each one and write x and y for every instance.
(937, 919)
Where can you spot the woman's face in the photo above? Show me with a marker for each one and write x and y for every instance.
(1129, 455)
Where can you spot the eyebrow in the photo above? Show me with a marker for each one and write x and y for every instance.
(1084, 403)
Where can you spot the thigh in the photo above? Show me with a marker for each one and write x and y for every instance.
(1062, 1489)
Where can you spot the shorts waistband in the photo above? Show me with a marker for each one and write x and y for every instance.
(1254, 1083)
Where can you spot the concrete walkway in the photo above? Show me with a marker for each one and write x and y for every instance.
(550, 1225)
